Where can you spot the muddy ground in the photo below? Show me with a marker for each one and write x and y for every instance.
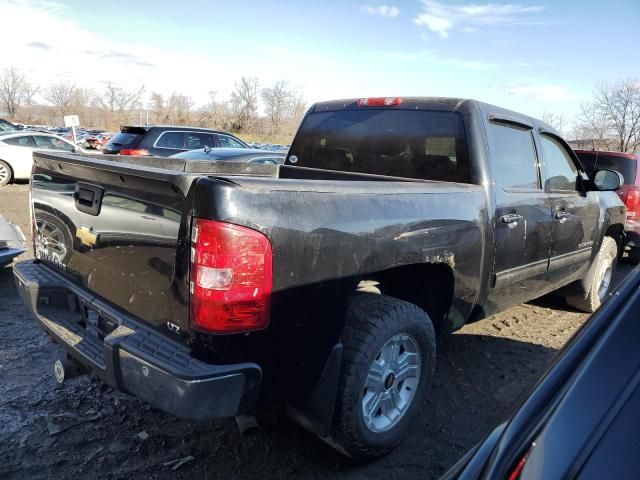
(481, 372)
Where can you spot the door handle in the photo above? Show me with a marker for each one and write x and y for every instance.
(562, 216)
(511, 219)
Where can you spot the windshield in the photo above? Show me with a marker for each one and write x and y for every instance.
(426, 145)
(6, 126)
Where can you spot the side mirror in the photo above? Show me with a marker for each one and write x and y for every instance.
(607, 180)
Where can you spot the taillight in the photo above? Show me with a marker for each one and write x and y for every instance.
(379, 102)
(632, 202)
(134, 151)
(230, 277)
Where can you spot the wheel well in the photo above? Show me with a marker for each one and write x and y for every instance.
(429, 286)
(617, 233)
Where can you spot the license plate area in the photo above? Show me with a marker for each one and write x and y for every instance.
(96, 324)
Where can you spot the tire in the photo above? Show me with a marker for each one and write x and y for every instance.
(602, 279)
(53, 239)
(375, 327)
(5, 173)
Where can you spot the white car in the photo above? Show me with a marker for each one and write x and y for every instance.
(16, 152)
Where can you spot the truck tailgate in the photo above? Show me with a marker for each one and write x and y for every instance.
(115, 231)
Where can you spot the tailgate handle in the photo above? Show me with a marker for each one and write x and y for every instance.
(88, 198)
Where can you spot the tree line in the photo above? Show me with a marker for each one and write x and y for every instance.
(115, 105)
(610, 121)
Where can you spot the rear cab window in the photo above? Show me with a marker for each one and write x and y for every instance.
(419, 144)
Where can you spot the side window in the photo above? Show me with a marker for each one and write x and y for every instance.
(513, 156)
(20, 142)
(228, 142)
(51, 143)
(171, 140)
(588, 161)
(561, 170)
(195, 140)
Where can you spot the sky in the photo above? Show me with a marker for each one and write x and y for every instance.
(529, 56)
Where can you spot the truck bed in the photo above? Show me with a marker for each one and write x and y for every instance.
(326, 228)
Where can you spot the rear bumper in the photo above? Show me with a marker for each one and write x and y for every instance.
(133, 357)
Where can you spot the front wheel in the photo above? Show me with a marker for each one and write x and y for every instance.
(602, 280)
(388, 364)
(5, 173)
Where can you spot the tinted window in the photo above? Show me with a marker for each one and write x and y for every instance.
(171, 140)
(195, 140)
(626, 166)
(400, 143)
(123, 139)
(20, 141)
(513, 156)
(588, 161)
(51, 143)
(561, 170)
(229, 142)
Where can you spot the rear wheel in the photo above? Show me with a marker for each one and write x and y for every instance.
(5, 173)
(388, 364)
(602, 279)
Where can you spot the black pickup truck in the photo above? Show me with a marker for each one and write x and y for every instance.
(209, 289)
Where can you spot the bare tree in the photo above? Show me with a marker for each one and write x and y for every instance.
(278, 102)
(555, 120)
(244, 102)
(11, 85)
(27, 95)
(61, 95)
(613, 118)
(178, 108)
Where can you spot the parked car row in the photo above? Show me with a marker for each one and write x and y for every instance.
(17, 147)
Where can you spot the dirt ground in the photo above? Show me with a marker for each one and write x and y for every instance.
(85, 429)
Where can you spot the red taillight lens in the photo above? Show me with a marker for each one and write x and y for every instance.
(379, 102)
(230, 277)
(515, 473)
(133, 151)
(632, 202)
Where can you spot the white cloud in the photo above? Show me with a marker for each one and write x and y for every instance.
(441, 18)
(555, 93)
(388, 11)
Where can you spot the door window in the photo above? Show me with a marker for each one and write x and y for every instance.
(513, 156)
(52, 143)
(226, 141)
(173, 140)
(26, 141)
(561, 170)
(195, 140)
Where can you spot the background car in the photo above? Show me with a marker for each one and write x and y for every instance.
(233, 155)
(164, 141)
(12, 242)
(97, 141)
(16, 149)
(6, 126)
(581, 419)
(627, 165)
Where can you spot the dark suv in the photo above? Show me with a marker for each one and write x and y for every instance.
(166, 140)
(627, 165)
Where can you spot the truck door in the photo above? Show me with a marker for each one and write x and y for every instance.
(574, 212)
(522, 219)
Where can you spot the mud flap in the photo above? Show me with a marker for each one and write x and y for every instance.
(315, 413)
